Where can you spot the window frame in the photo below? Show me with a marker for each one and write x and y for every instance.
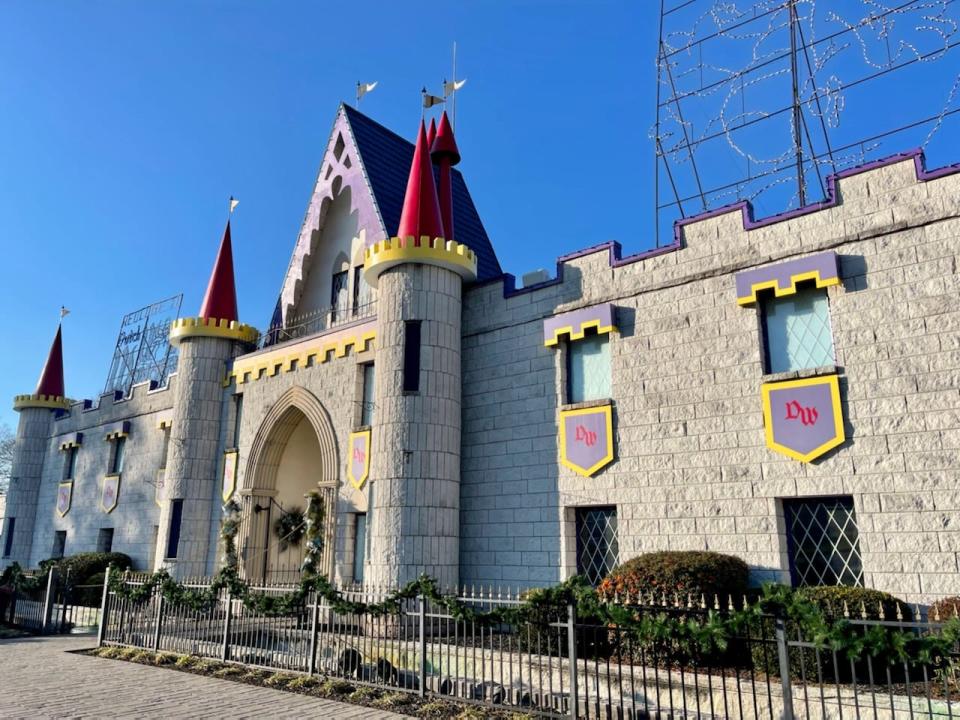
(367, 406)
(580, 512)
(790, 507)
(8, 536)
(117, 455)
(107, 532)
(59, 544)
(359, 546)
(571, 349)
(765, 300)
(173, 537)
(338, 310)
(70, 463)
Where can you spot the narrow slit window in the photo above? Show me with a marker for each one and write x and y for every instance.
(411, 356)
(359, 544)
(70, 463)
(59, 544)
(237, 417)
(119, 450)
(173, 539)
(8, 537)
(366, 406)
(105, 540)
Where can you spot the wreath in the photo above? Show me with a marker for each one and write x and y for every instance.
(290, 528)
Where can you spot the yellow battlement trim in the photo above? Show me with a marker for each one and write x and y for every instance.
(211, 327)
(323, 351)
(53, 402)
(395, 251)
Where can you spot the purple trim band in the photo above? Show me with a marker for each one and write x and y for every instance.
(574, 322)
(782, 277)
(749, 222)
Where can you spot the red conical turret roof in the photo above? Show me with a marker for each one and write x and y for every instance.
(220, 301)
(51, 379)
(421, 208)
(431, 133)
(444, 143)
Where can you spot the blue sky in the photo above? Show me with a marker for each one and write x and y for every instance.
(125, 126)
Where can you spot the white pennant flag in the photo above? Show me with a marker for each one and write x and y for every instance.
(451, 87)
(233, 203)
(63, 312)
(364, 88)
(430, 100)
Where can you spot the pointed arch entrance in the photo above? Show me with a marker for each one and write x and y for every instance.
(293, 452)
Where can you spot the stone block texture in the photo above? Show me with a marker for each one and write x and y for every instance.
(692, 470)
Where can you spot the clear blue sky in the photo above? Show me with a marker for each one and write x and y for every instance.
(124, 127)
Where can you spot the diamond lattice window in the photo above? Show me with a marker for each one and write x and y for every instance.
(797, 331)
(823, 541)
(598, 551)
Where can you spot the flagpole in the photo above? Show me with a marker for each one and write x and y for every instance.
(357, 105)
(454, 105)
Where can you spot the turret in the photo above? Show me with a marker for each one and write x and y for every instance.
(445, 153)
(33, 432)
(191, 492)
(415, 467)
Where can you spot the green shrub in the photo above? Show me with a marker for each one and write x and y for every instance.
(392, 701)
(677, 574)
(834, 602)
(361, 695)
(336, 687)
(81, 569)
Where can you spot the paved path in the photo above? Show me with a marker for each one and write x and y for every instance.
(40, 678)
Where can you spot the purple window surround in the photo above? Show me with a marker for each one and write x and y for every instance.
(786, 274)
(614, 249)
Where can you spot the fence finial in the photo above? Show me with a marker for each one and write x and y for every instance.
(881, 614)
(703, 601)
(936, 612)
(846, 610)
(863, 610)
(899, 612)
(730, 606)
(716, 601)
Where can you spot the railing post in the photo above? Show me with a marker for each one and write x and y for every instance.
(159, 622)
(314, 624)
(227, 623)
(784, 658)
(103, 607)
(572, 655)
(423, 645)
(48, 601)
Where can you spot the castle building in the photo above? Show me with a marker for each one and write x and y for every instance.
(784, 389)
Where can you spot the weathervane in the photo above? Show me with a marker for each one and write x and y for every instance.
(363, 89)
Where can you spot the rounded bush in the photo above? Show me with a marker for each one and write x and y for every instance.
(944, 609)
(678, 573)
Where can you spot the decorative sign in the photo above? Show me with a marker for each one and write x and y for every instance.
(783, 277)
(110, 494)
(143, 351)
(64, 498)
(576, 322)
(358, 465)
(229, 485)
(586, 439)
(158, 486)
(803, 418)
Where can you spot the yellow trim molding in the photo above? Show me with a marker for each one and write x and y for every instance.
(75, 441)
(200, 327)
(165, 423)
(383, 255)
(52, 402)
(298, 356)
(839, 436)
(607, 458)
(358, 482)
(228, 484)
(790, 289)
(579, 332)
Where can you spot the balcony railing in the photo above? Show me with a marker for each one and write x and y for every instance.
(316, 321)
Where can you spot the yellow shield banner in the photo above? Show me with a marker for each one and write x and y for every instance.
(803, 419)
(158, 486)
(229, 484)
(64, 498)
(358, 464)
(110, 493)
(586, 439)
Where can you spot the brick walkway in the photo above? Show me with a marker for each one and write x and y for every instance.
(39, 678)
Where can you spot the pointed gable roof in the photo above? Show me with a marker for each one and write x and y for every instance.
(421, 207)
(386, 159)
(220, 300)
(51, 379)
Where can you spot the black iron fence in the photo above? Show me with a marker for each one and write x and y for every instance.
(553, 664)
(53, 605)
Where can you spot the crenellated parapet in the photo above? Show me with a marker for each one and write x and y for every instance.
(449, 254)
(50, 402)
(212, 327)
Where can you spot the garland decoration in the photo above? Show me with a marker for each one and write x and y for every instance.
(313, 529)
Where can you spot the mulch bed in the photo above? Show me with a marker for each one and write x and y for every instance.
(403, 703)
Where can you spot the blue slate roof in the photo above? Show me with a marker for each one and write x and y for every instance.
(386, 158)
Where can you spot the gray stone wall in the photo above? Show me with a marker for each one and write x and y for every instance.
(26, 476)
(692, 470)
(136, 515)
(414, 527)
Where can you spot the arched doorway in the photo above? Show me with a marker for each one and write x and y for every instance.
(293, 453)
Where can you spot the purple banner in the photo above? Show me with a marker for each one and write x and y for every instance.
(586, 439)
(803, 418)
(110, 494)
(64, 498)
(783, 277)
(358, 465)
